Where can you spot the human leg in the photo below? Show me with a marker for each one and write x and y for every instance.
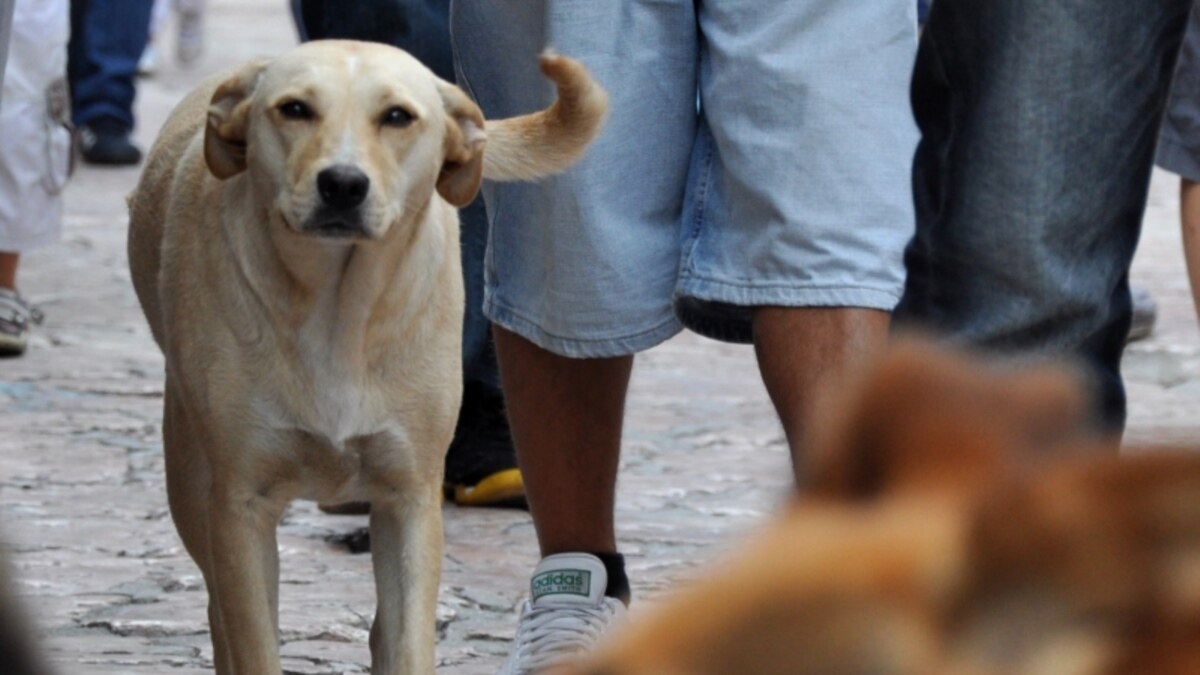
(580, 270)
(566, 417)
(1179, 147)
(1190, 214)
(419, 27)
(34, 157)
(803, 351)
(1032, 174)
(9, 260)
(578, 279)
(107, 39)
(481, 465)
(804, 236)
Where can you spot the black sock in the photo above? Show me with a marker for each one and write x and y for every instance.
(618, 583)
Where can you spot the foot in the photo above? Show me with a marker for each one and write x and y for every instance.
(565, 616)
(1145, 311)
(481, 465)
(106, 141)
(16, 318)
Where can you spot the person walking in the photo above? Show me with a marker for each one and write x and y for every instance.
(35, 154)
(751, 184)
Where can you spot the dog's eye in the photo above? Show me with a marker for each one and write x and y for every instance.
(296, 110)
(396, 116)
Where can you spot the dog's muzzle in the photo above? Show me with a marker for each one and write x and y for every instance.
(342, 189)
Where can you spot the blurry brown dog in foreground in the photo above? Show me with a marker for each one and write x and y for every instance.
(957, 525)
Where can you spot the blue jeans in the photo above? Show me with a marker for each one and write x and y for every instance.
(420, 27)
(107, 39)
(1039, 122)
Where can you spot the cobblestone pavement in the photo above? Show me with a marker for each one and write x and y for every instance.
(82, 501)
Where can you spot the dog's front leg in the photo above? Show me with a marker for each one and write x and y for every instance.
(406, 550)
(245, 561)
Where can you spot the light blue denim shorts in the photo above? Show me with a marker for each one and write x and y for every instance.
(757, 153)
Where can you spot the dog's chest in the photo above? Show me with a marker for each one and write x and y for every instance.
(331, 390)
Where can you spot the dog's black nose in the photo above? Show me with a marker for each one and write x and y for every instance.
(342, 186)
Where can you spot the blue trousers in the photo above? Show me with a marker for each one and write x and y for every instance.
(1039, 122)
(107, 39)
(420, 27)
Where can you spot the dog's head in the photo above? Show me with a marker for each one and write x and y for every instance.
(347, 136)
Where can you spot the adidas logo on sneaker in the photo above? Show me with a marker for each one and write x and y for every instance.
(561, 582)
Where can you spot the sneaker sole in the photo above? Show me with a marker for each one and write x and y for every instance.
(10, 346)
(503, 488)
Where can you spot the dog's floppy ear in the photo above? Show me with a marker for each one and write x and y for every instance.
(462, 170)
(228, 112)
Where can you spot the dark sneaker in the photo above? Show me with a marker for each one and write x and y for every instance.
(481, 465)
(106, 141)
(1145, 311)
(16, 318)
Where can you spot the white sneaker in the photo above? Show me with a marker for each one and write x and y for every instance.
(16, 317)
(566, 614)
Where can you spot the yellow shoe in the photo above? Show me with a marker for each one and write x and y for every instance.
(503, 488)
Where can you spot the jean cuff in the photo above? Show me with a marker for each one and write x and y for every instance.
(725, 311)
(636, 340)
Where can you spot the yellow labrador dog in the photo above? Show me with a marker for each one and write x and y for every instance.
(294, 244)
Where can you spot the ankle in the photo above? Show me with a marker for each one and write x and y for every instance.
(618, 581)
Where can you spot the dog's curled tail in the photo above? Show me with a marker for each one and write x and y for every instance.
(544, 143)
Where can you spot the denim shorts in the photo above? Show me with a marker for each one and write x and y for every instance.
(757, 153)
(1179, 144)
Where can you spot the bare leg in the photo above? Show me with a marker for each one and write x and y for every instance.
(566, 416)
(801, 351)
(8, 269)
(1189, 193)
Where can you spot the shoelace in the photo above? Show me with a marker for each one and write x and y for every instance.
(549, 635)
